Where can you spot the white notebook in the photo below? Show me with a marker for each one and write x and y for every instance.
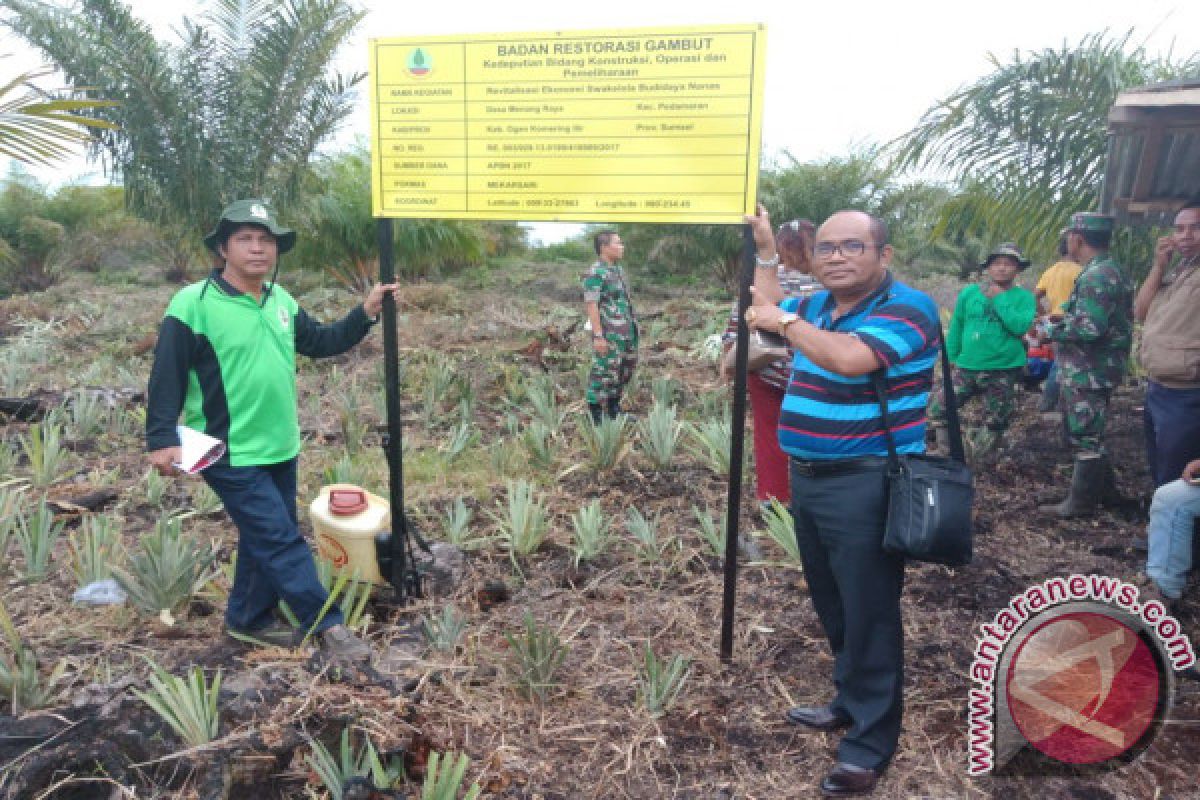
(199, 449)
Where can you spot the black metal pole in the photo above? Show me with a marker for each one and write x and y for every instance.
(395, 451)
(733, 500)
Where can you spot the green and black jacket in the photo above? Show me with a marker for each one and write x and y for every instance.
(228, 362)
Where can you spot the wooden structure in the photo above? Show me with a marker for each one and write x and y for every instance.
(1153, 153)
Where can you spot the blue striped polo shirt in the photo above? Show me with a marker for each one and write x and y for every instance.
(829, 416)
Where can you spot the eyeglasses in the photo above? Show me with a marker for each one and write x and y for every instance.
(848, 248)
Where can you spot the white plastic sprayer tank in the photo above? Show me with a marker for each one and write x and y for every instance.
(346, 520)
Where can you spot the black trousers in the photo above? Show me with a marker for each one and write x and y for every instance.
(855, 588)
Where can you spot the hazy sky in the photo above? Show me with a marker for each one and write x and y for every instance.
(838, 74)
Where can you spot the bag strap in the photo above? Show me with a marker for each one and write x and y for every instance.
(955, 431)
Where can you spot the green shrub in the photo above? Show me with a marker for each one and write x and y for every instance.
(710, 532)
(11, 503)
(660, 433)
(87, 415)
(524, 524)
(711, 440)
(442, 631)
(781, 530)
(462, 437)
(188, 705)
(591, 532)
(37, 533)
(537, 653)
(576, 250)
(457, 526)
(156, 487)
(363, 762)
(444, 776)
(75, 207)
(647, 545)
(660, 680)
(348, 469)
(543, 398)
(346, 589)
(167, 570)
(20, 681)
(37, 239)
(605, 443)
(44, 449)
(95, 547)
(539, 445)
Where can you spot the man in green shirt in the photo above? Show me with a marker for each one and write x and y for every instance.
(985, 345)
(226, 359)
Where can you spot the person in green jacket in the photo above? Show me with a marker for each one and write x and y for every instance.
(984, 343)
(225, 361)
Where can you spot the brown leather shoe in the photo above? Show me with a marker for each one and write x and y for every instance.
(819, 718)
(847, 780)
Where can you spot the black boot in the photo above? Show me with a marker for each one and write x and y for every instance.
(597, 413)
(1087, 482)
(614, 407)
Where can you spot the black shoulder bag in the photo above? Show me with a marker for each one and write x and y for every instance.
(929, 497)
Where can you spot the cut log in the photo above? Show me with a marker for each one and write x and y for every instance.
(36, 406)
(92, 501)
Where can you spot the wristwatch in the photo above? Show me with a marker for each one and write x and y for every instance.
(786, 319)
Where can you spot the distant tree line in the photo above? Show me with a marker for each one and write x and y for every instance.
(238, 102)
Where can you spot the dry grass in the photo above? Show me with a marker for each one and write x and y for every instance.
(725, 738)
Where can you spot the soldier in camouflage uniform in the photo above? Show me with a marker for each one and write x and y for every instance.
(614, 327)
(1091, 340)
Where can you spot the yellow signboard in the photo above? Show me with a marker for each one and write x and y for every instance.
(593, 126)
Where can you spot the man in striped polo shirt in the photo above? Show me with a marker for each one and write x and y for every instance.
(831, 428)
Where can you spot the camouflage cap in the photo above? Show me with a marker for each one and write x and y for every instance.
(1007, 249)
(1091, 221)
(252, 211)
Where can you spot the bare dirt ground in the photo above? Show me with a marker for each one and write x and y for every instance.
(591, 738)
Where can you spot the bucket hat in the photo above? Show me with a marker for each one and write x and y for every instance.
(252, 211)
(1007, 249)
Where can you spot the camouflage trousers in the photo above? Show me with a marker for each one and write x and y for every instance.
(611, 372)
(997, 386)
(1084, 417)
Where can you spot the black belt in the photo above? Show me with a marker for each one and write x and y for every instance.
(837, 466)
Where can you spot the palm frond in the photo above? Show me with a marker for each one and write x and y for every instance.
(1026, 142)
(40, 127)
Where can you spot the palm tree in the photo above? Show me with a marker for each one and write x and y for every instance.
(338, 213)
(815, 189)
(1026, 143)
(696, 251)
(37, 127)
(234, 107)
(789, 189)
